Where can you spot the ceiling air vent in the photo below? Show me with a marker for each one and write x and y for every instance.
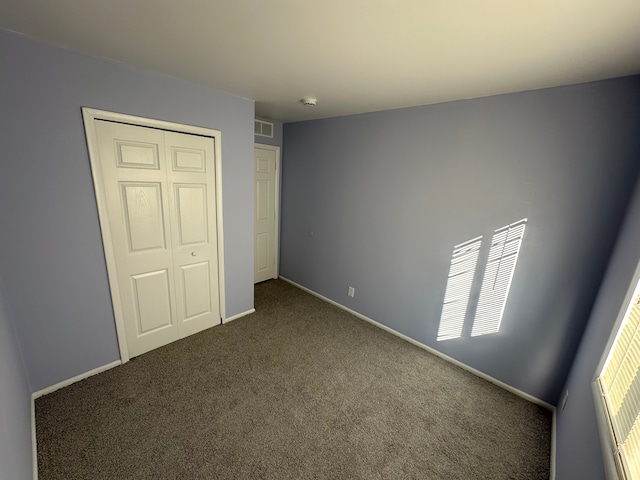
(264, 129)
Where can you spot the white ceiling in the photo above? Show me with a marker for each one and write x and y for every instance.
(353, 55)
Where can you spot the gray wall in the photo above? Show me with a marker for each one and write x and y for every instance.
(578, 444)
(15, 411)
(51, 253)
(276, 141)
(378, 201)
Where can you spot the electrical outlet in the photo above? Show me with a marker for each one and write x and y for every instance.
(565, 398)
(352, 292)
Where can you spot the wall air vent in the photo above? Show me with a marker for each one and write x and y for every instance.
(263, 129)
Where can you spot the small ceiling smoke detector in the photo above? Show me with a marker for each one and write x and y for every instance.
(309, 102)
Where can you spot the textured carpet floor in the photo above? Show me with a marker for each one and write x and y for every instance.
(297, 390)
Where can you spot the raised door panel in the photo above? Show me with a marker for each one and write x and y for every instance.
(262, 163)
(143, 216)
(131, 154)
(188, 160)
(197, 289)
(151, 293)
(262, 200)
(262, 252)
(192, 215)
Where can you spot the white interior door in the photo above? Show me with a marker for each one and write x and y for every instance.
(159, 189)
(265, 220)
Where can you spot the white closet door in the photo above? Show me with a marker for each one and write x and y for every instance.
(193, 217)
(155, 213)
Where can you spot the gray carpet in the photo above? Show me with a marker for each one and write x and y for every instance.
(297, 390)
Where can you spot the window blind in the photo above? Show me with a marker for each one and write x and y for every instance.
(503, 255)
(620, 385)
(459, 282)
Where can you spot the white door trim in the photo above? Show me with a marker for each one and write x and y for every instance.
(276, 241)
(90, 115)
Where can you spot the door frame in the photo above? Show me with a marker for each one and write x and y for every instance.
(276, 239)
(90, 115)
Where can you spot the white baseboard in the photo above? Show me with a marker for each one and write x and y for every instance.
(51, 389)
(77, 378)
(34, 443)
(235, 317)
(552, 476)
(429, 349)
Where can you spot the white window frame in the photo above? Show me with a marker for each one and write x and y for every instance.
(613, 469)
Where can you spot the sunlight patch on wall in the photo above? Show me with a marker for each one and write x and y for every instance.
(459, 282)
(501, 264)
(498, 274)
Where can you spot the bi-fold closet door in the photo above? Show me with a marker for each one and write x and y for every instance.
(160, 194)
